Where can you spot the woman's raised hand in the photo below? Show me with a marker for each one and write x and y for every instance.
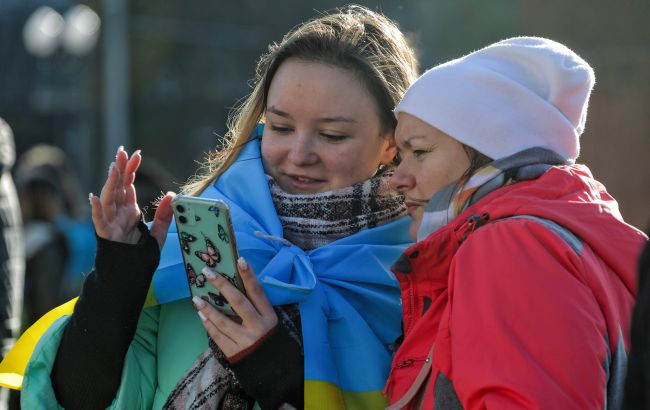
(116, 213)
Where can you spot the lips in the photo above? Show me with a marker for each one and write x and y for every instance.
(303, 182)
(412, 205)
(303, 179)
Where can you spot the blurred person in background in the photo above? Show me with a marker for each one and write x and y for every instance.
(60, 239)
(637, 383)
(309, 198)
(46, 251)
(12, 262)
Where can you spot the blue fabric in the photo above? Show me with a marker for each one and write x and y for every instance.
(80, 238)
(349, 300)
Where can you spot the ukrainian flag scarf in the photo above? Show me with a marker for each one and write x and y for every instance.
(349, 300)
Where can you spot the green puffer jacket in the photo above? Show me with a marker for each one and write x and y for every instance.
(168, 340)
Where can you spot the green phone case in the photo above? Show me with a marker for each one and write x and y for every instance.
(206, 237)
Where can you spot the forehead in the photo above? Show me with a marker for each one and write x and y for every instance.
(310, 92)
(410, 129)
(317, 80)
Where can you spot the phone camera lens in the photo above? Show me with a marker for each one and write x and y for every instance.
(182, 219)
(180, 208)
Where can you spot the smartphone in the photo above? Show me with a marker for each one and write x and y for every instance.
(206, 237)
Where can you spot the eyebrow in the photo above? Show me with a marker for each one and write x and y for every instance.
(276, 111)
(407, 141)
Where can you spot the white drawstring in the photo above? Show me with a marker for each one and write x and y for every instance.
(263, 235)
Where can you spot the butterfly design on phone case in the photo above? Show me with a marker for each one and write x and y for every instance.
(218, 299)
(230, 279)
(211, 256)
(198, 280)
(214, 210)
(223, 235)
(186, 238)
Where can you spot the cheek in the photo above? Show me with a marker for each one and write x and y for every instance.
(271, 152)
(429, 181)
(437, 176)
(356, 163)
(341, 163)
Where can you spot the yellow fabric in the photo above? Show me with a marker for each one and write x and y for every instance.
(13, 365)
(326, 395)
(151, 299)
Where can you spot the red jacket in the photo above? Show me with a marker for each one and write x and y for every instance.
(527, 296)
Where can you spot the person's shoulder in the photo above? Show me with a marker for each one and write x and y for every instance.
(522, 238)
(39, 235)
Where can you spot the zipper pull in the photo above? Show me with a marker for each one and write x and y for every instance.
(473, 222)
(404, 363)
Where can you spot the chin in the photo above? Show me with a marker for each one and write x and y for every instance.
(413, 230)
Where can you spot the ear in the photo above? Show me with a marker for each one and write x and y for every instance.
(389, 150)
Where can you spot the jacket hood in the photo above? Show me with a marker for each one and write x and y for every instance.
(571, 197)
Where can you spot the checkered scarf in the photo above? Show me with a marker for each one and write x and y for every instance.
(308, 221)
(313, 220)
(451, 201)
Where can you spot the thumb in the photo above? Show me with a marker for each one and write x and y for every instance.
(162, 219)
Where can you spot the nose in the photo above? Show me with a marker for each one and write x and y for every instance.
(402, 180)
(302, 151)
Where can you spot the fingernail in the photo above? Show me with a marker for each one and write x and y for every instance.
(110, 167)
(90, 198)
(137, 152)
(198, 302)
(209, 273)
(202, 316)
(120, 148)
(243, 265)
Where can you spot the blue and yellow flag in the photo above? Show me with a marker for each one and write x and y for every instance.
(349, 300)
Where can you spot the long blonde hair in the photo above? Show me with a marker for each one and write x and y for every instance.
(354, 38)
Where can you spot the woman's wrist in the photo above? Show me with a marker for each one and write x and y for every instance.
(281, 377)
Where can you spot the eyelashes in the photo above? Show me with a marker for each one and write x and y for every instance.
(415, 152)
(280, 129)
(328, 136)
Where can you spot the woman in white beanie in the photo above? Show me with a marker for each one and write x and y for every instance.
(519, 289)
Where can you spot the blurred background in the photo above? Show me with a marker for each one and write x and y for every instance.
(162, 76)
(79, 79)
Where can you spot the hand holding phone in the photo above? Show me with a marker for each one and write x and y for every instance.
(206, 238)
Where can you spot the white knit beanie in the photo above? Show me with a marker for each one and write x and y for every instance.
(516, 94)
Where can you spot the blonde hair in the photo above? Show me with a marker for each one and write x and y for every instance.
(354, 38)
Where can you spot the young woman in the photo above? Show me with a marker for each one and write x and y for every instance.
(519, 289)
(314, 217)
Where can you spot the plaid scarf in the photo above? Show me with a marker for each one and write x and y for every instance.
(308, 221)
(451, 201)
(210, 384)
(314, 220)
